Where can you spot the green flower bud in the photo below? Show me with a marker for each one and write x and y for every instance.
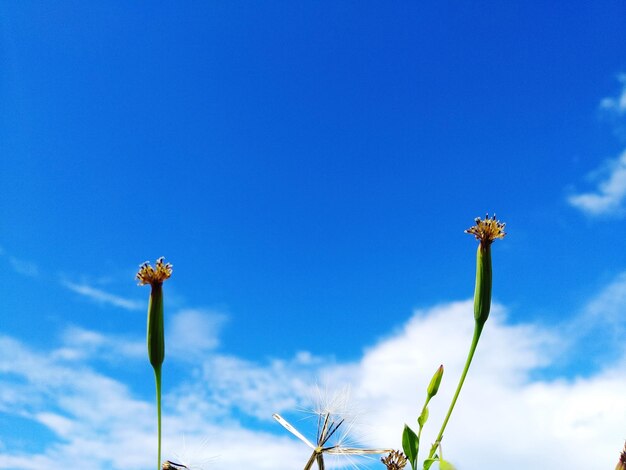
(482, 292)
(433, 386)
(155, 331)
(485, 231)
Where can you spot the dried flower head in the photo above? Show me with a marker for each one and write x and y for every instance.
(396, 460)
(621, 464)
(487, 230)
(168, 465)
(149, 275)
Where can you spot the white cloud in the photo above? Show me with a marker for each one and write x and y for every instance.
(103, 297)
(502, 413)
(94, 417)
(258, 390)
(616, 104)
(80, 344)
(26, 268)
(610, 193)
(505, 417)
(193, 332)
(605, 312)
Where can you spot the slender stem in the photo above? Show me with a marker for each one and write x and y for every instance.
(320, 461)
(311, 461)
(478, 328)
(157, 376)
(419, 432)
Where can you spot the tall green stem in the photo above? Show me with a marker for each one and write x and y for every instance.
(157, 376)
(478, 328)
(482, 306)
(156, 349)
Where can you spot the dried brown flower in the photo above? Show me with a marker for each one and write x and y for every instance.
(396, 460)
(621, 464)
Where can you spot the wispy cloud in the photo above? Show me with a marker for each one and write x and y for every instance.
(96, 421)
(616, 104)
(194, 332)
(21, 266)
(80, 344)
(103, 297)
(610, 193)
(225, 406)
(256, 390)
(26, 268)
(602, 317)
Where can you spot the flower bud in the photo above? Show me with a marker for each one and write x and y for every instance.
(155, 330)
(485, 231)
(433, 386)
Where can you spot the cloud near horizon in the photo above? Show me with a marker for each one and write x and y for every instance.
(221, 411)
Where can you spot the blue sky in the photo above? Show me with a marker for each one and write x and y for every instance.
(309, 169)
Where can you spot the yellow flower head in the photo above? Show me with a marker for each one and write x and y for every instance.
(154, 276)
(487, 230)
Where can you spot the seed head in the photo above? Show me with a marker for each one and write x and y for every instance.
(487, 230)
(154, 276)
(396, 460)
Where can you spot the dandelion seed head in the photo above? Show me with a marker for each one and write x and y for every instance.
(192, 457)
(335, 402)
(332, 435)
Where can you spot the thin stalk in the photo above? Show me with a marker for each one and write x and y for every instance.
(157, 377)
(311, 461)
(320, 462)
(478, 328)
(419, 433)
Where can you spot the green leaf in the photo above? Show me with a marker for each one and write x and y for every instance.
(429, 462)
(410, 446)
(445, 465)
(423, 417)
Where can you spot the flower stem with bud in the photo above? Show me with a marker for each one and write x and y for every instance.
(155, 331)
(486, 232)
